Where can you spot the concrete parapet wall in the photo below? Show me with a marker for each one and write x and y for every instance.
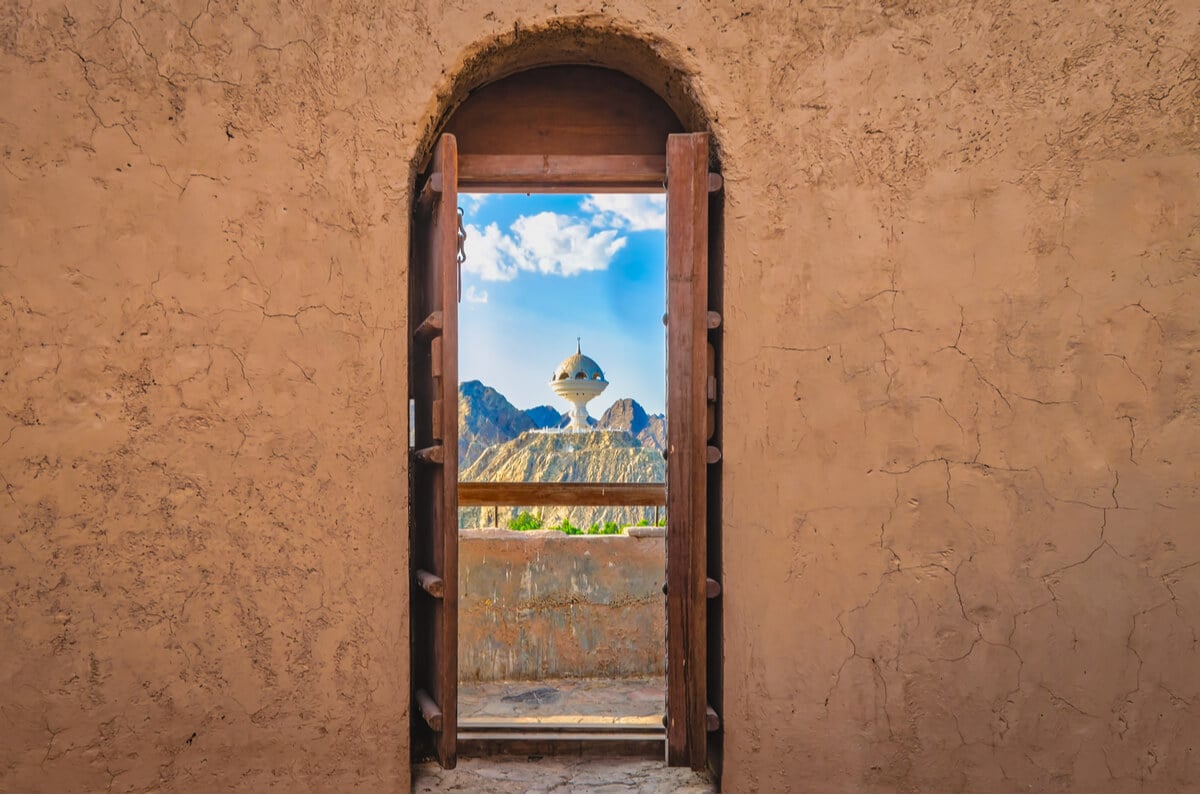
(541, 603)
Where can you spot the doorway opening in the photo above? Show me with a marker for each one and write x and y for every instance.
(595, 132)
(562, 368)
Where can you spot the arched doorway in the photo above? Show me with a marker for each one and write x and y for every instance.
(569, 128)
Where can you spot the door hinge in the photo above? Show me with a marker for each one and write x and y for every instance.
(462, 250)
(429, 710)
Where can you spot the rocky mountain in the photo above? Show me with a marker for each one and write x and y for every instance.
(544, 416)
(487, 418)
(628, 415)
(590, 456)
(613, 456)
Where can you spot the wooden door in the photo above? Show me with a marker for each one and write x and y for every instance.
(689, 426)
(433, 311)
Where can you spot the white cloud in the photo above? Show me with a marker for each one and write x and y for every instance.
(490, 254)
(473, 296)
(472, 201)
(635, 212)
(543, 243)
(561, 244)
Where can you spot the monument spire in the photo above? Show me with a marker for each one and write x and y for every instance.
(577, 380)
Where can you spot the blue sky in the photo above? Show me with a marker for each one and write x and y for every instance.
(542, 270)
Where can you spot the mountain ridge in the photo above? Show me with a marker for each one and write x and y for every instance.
(487, 418)
(596, 456)
(500, 443)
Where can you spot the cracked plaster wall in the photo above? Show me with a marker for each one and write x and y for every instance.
(960, 386)
(539, 603)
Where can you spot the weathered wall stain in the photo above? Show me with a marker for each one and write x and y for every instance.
(959, 382)
(544, 604)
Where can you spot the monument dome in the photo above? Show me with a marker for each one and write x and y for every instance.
(578, 379)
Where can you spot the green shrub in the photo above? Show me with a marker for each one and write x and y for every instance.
(525, 521)
(662, 522)
(568, 528)
(643, 523)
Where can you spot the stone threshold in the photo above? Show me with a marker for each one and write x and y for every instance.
(584, 773)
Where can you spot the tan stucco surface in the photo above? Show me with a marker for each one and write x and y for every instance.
(542, 604)
(960, 383)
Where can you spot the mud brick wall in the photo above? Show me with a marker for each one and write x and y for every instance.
(960, 381)
(543, 604)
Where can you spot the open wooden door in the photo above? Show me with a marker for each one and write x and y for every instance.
(690, 384)
(433, 311)
(540, 131)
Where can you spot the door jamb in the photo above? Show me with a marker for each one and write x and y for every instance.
(570, 173)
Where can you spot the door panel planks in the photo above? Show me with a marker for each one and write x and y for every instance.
(434, 466)
(688, 430)
(693, 433)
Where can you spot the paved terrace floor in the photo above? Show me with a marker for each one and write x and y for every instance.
(559, 774)
(565, 704)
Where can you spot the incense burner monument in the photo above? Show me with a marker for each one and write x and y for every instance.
(577, 380)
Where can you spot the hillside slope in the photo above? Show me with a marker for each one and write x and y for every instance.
(486, 418)
(594, 456)
(628, 415)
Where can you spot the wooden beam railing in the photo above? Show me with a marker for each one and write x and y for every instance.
(589, 494)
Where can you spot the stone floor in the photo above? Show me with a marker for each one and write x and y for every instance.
(559, 774)
(572, 704)
(624, 703)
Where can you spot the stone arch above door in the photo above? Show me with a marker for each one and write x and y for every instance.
(649, 75)
(552, 123)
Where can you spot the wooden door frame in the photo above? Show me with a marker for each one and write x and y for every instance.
(692, 647)
(688, 431)
(433, 467)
